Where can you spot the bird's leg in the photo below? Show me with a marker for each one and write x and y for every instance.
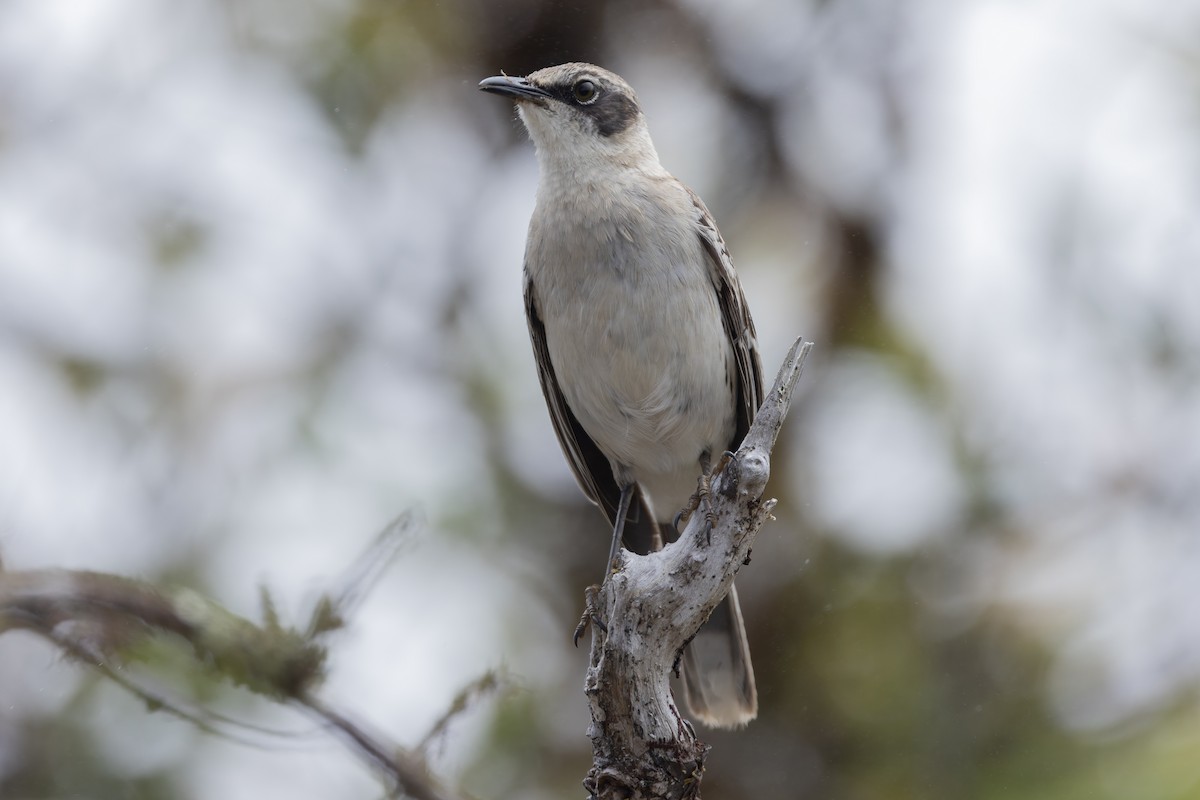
(619, 526)
(701, 497)
(693, 503)
(704, 492)
(590, 613)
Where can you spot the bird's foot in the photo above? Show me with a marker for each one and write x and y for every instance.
(704, 489)
(699, 500)
(589, 616)
(702, 497)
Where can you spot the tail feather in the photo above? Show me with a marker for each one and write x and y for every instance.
(718, 678)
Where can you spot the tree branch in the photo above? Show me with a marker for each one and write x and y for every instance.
(653, 604)
(106, 620)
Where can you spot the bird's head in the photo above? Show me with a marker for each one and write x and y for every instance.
(580, 115)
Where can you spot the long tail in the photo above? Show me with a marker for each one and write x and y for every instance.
(718, 678)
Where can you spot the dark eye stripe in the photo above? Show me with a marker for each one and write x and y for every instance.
(612, 110)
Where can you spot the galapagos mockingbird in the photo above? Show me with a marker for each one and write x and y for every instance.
(643, 341)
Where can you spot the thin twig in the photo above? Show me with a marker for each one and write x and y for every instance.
(409, 773)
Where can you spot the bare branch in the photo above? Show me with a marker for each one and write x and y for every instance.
(653, 604)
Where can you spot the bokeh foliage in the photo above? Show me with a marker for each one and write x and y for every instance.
(281, 305)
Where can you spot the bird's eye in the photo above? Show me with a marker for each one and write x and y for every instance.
(585, 91)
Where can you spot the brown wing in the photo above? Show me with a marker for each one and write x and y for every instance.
(591, 467)
(736, 316)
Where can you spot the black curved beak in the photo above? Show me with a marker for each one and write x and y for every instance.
(516, 88)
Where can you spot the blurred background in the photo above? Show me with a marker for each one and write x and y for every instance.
(260, 293)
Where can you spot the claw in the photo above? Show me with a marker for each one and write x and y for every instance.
(584, 620)
(589, 615)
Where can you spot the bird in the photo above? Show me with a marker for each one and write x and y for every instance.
(643, 341)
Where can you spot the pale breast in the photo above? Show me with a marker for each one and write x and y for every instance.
(636, 339)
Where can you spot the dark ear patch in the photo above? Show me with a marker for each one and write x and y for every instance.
(613, 112)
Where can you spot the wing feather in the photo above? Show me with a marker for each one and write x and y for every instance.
(735, 314)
